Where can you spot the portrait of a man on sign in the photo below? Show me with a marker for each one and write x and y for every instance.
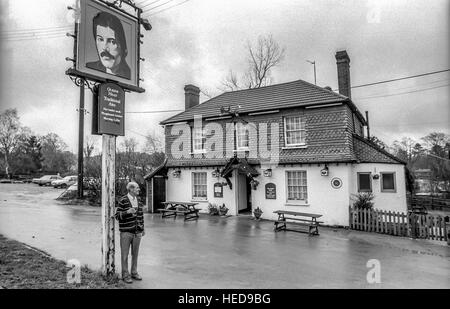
(108, 44)
(111, 46)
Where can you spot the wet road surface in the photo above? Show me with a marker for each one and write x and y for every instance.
(234, 252)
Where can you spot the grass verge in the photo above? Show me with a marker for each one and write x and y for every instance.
(23, 267)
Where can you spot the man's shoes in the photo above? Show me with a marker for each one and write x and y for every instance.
(127, 280)
(136, 277)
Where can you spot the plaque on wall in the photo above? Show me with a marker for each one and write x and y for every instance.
(218, 190)
(336, 183)
(271, 191)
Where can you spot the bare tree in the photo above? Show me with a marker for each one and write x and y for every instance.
(89, 147)
(152, 143)
(9, 131)
(262, 58)
(130, 145)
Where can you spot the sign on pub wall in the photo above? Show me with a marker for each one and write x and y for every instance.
(109, 110)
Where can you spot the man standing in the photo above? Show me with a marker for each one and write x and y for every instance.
(131, 225)
(111, 46)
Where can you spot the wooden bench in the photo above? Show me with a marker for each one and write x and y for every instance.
(292, 216)
(172, 209)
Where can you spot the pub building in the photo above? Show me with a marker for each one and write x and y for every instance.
(291, 146)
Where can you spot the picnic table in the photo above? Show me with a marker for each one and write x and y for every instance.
(172, 209)
(301, 218)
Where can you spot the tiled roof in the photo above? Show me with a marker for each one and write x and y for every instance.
(367, 152)
(280, 96)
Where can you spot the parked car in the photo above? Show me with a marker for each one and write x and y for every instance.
(5, 180)
(23, 179)
(65, 182)
(46, 180)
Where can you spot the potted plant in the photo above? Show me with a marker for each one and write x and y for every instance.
(257, 213)
(223, 210)
(362, 201)
(213, 210)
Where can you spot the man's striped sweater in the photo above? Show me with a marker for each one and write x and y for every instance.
(131, 223)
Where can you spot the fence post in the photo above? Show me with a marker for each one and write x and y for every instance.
(412, 226)
(350, 217)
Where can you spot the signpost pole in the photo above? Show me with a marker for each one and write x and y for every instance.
(81, 141)
(108, 203)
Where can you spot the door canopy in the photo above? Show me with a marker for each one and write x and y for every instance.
(239, 164)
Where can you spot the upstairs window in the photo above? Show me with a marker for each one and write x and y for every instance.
(198, 140)
(294, 131)
(364, 182)
(242, 136)
(388, 182)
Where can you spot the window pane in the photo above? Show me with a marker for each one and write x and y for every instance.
(198, 139)
(199, 186)
(297, 185)
(387, 181)
(295, 130)
(364, 182)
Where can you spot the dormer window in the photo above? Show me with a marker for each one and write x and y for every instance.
(242, 136)
(294, 131)
(198, 140)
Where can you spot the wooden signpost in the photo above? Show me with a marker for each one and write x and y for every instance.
(108, 121)
(107, 81)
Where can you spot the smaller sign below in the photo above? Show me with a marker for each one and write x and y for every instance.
(218, 190)
(109, 110)
(271, 191)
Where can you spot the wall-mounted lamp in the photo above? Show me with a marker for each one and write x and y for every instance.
(216, 173)
(376, 176)
(268, 172)
(324, 171)
(176, 174)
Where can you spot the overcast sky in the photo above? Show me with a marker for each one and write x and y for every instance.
(199, 41)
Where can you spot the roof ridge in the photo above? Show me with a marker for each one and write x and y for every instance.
(324, 89)
(268, 86)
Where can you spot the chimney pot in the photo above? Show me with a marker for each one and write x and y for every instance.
(192, 96)
(343, 68)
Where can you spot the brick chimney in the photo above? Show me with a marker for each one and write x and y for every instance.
(192, 96)
(343, 68)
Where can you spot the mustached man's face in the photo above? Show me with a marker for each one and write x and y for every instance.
(108, 48)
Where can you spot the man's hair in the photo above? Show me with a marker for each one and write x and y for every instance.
(132, 185)
(105, 19)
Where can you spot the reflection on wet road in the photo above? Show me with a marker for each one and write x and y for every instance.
(224, 253)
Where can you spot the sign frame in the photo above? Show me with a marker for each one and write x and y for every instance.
(86, 53)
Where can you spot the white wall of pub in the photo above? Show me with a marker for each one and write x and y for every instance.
(323, 198)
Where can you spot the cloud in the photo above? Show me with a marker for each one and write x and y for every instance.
(200, 41)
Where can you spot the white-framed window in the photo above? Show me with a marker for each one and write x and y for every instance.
(294, 131)
(242, 136)
(199, 186)
(388, 182)
(297, 186)
(364, 182)
(198, 140)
